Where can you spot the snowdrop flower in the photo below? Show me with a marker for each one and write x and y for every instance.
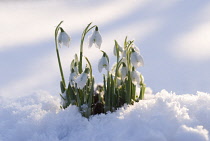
(72, 77)
(95, 38)
(81, 80)
(103, 63)
(135, 77)
(136, 59)
(115, 49)
(124, 71)
(63, 38)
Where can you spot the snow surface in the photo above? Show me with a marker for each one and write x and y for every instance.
(161, 117)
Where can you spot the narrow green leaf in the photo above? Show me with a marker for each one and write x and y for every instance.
(62, 87)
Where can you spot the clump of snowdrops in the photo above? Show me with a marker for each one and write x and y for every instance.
(120, 84)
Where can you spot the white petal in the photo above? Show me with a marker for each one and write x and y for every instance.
(64, 39)
(72, 78)
(81, 80)
(107, 66)
(123, 73)
(136, 59)
(100, 65)
(135, 76)
(140, 60)
(103, 63)
(136, 49)
(91, 39)
(60, 38)
(98, 39)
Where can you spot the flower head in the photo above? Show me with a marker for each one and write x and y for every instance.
(81, 80)
(135, 77)
(72, 77)
(63, 38)
(95, 38)
(124, 71)
(136, 59)
(103, 63)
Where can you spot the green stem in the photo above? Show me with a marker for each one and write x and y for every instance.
(91, 72)
(58, 55)
(81, 44)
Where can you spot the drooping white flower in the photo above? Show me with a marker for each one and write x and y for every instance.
(72, 77)
(63, 38)
(103, 63)
(81, 80)
(124, 71)
(95, 38)
(136, 59)
(115, 49)
(135, 77)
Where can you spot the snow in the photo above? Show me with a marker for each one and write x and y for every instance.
(164, 116)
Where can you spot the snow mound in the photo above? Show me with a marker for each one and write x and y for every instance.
(161, 117)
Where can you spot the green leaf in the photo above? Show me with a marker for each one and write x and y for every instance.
(62, 87)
